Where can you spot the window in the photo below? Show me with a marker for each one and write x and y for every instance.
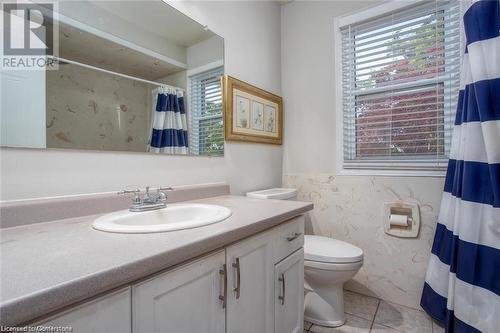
(400, 76)
(206, 128)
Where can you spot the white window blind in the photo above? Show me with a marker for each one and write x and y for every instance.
(400, 82)
(206, 129)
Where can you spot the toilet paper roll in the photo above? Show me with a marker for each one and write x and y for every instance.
(399, 220)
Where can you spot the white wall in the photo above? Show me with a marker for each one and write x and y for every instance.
(85, 12)
(347, 208)
(22, 120)
(252, 53)
(205, 52)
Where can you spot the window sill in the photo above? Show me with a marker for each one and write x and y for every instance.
(391, 173)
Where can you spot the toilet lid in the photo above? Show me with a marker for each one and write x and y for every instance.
(324, 249)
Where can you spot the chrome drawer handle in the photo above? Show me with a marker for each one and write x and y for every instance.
(294, 237)
(238, 278)
(282, 280)
(223, 297)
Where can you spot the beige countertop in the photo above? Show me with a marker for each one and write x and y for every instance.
(48, 266)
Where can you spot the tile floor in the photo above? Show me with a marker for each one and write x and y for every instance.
(370, 314)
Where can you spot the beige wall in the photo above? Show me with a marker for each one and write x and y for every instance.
(252, 53)
(346, 207)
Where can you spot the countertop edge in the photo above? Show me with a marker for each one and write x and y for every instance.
(41, 304)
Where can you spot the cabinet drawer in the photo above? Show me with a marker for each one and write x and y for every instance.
(290, 238)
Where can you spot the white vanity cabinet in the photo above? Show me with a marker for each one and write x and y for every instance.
(110, 313)
(183, 300)
(253, 285)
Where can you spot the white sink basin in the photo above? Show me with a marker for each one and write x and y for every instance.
(173, 217)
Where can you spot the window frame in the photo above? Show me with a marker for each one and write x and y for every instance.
(189, 74)
(382, 168)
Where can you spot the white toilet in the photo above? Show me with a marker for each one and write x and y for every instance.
(328, 264)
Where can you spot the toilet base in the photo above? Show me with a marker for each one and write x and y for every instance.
(320, 312)
(324, 323)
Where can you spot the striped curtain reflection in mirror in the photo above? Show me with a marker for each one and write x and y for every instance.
(169, 132)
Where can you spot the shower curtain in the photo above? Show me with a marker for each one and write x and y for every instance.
(168, 124)
(462, 285)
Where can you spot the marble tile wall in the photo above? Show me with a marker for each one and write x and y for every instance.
(87, 109)
(350, 208)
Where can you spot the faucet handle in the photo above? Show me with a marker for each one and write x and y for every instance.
(161, 192)
(164, 189)
(128, 191)
(137, 197)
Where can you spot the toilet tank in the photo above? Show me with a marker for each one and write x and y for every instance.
(275, 193)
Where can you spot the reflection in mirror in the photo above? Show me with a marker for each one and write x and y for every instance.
(131, 76)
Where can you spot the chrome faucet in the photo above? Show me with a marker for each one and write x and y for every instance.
(150, 201)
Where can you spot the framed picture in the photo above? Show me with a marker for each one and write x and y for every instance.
(250, 113)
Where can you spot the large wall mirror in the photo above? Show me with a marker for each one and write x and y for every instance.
(134, 76)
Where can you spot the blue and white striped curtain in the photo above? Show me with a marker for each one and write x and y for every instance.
(462, 285)
(169, 132)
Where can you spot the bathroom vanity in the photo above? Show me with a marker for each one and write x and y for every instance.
(244, 274)
(253, 285)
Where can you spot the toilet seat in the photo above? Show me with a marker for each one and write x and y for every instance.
(329, 266)
(324, 251)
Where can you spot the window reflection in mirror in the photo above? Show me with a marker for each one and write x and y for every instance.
(131, 76)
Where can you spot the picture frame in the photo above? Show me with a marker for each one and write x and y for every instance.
(251, 114)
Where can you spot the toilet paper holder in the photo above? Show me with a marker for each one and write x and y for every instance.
(401, 219)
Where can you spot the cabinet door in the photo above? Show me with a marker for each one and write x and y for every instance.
(184, 300)
(250, 307)
(289, 294)
(110, 313)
